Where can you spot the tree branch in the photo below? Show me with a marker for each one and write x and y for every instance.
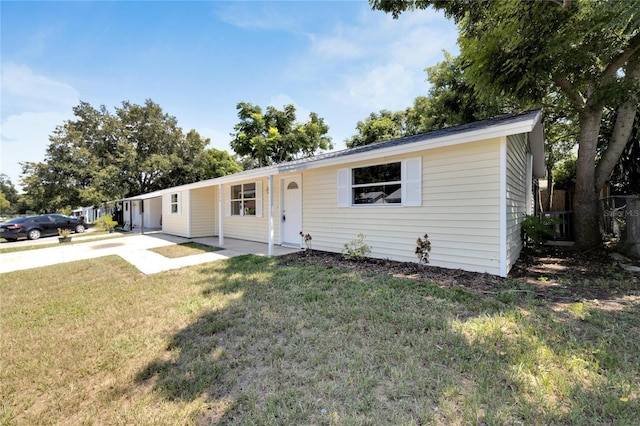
(568, 88)
(622, 58)
(622, 128)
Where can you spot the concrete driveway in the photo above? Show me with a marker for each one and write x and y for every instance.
(133, 248)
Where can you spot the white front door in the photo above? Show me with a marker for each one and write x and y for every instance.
(291, 218)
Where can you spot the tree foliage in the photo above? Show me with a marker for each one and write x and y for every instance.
(274, 136)
(100, 156)
(451, 100)
(585, 51)
(378, 127)
(8, 195)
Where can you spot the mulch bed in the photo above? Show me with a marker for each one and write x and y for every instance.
(551, 273)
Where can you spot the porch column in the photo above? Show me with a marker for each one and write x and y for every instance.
(220, 215)
(270, 209)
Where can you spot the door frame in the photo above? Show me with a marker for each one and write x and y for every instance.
(298, 178)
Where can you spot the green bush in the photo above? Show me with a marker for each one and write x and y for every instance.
(356, 249)
(106, 223)
(535, 230)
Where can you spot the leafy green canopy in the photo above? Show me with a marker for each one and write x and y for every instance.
(275, 136)
(101, 156)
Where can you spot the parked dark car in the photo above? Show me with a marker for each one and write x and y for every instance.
(44, 225)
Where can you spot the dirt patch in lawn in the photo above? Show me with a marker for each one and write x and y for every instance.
(106, 246)
(555, 274)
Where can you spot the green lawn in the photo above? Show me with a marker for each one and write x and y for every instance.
(250, 341)
(183, 249)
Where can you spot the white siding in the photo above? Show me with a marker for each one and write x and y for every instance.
(253, 228)
(204, 203)
(516, 196)
(152, 212)
(176, 223)
(460, 210)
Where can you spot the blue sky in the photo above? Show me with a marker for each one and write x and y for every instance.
(198, 59)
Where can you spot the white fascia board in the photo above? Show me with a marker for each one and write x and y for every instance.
(498, 131)
(237, 177)
(146, 196)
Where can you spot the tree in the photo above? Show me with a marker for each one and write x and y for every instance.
(625, 178)
(100, 156)
(454, 99)
(588, 51)
(275, 136)
(219, 163)
(378, 127)
(8, 194)
(451, 100)
(4, 203)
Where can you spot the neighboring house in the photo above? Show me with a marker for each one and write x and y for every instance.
(90, 213)
(143, 211)
(468, 187)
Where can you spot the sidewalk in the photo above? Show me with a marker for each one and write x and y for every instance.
(134, 249)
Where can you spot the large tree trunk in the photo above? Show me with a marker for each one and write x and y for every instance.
(586, 208)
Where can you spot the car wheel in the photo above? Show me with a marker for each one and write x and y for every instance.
(79, 229)
(34, 234)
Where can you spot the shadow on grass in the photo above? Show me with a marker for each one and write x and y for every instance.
(314, 345)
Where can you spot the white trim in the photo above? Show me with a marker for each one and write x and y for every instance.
(529, 184)
(270, 214)
(259, 206)
(178, 202)
(189, 214)
(220, 216)
(503, 207)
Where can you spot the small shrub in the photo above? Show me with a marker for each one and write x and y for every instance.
(356, 249)
(423, 248)
(535, 230)
(106, 223)
(64, 232)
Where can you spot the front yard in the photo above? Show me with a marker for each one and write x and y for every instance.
(309, 340)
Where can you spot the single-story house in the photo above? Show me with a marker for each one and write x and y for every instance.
(468, 187)
(143, 211)
(90, 213)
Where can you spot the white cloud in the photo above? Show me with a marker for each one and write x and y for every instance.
(383, 87)
(33, 105)
(279, 101)
(256, 16)
(377, 62)
(335, 47)
(22, 90)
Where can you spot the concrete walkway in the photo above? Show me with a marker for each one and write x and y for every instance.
(135, 250)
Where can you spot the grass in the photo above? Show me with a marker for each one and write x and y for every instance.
(249, 341)
(183, 249)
